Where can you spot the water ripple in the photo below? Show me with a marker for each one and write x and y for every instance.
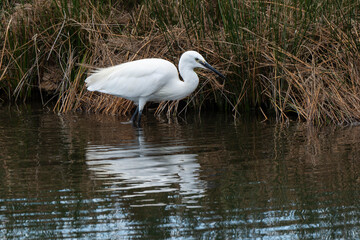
(145, 169)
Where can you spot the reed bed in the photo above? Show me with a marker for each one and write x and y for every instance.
(290, 59)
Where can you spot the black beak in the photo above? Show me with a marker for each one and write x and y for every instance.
(205, 64)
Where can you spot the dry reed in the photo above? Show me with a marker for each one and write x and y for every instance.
(288, 59)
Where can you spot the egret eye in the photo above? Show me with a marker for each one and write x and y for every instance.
(196, 59)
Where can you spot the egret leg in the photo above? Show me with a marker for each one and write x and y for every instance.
(141, 105)
(135, 113)
(139, 117)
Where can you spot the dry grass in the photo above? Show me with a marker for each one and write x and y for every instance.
(73, 44)
(284, 58)
(321, 84)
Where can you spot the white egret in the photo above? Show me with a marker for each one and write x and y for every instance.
(151, 79)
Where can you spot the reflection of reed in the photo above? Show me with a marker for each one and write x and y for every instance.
(260, 177)
(34, 146)
(284, 175)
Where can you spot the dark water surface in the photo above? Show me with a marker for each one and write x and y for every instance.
(90, 177)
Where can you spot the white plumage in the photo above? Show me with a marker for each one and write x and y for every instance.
(151, 79)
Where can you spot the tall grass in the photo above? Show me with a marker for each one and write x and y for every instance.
(288, 58)
(293, 58)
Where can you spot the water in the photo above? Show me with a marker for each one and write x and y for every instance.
(90, 177)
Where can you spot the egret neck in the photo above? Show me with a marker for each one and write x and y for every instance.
(190, 78)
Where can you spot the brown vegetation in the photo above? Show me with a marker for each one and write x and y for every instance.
(289, 59)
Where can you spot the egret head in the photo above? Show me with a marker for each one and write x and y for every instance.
(195, 59)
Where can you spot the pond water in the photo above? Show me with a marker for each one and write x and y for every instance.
(88, 176)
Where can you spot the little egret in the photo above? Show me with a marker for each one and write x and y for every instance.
(151, 79)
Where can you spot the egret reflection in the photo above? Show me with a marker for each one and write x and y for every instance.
(140, 168)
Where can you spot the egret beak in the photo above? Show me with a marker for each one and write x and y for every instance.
(205, 64)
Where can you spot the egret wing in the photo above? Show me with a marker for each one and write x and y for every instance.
(132, 80)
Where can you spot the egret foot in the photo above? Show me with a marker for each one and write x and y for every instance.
(128, 122)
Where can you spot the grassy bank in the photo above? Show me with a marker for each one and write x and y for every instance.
(293, 59)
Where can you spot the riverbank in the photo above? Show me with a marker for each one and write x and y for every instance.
(295, 60)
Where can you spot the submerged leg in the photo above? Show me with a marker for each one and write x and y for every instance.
(139, 117)
(141, 105)
(135, 113)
